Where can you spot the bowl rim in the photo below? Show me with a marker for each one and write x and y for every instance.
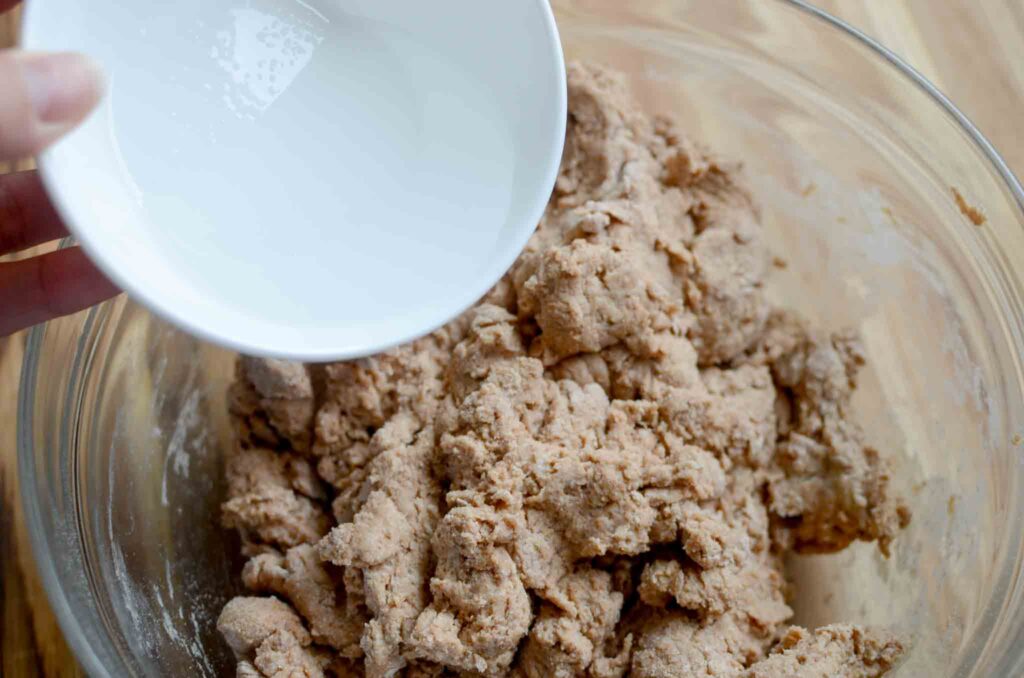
(926, 86)
(74, 633)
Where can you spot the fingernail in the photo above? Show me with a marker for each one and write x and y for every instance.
(62, 88)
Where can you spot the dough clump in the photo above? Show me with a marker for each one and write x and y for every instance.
(597, 471)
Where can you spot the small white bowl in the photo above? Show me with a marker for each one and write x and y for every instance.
(308, 179)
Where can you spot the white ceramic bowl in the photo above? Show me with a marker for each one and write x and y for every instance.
(311, 179)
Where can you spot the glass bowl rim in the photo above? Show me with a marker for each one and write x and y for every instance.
(74, 633)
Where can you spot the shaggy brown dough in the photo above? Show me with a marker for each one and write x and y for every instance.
(595, 471)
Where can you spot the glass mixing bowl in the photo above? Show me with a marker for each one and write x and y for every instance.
(854, 158)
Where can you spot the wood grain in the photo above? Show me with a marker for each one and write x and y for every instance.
(973, 50)
(31, 643)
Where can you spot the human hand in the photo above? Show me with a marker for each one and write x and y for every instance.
(42, 97)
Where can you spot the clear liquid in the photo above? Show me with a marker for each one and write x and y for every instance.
(319, 141)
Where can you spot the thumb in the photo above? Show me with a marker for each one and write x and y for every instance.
(42, 97)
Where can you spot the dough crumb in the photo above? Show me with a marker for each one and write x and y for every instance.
(245, 622)
(839, 650)
(282, 656)
(597, 471)
(976, 216)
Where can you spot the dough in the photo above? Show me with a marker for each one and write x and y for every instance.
(598, 470)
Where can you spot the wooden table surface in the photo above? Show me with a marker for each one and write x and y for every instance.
(972, 49)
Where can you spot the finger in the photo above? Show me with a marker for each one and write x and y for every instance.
(27, 217)
(45, 287)
(7, 4)
(43, 97)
